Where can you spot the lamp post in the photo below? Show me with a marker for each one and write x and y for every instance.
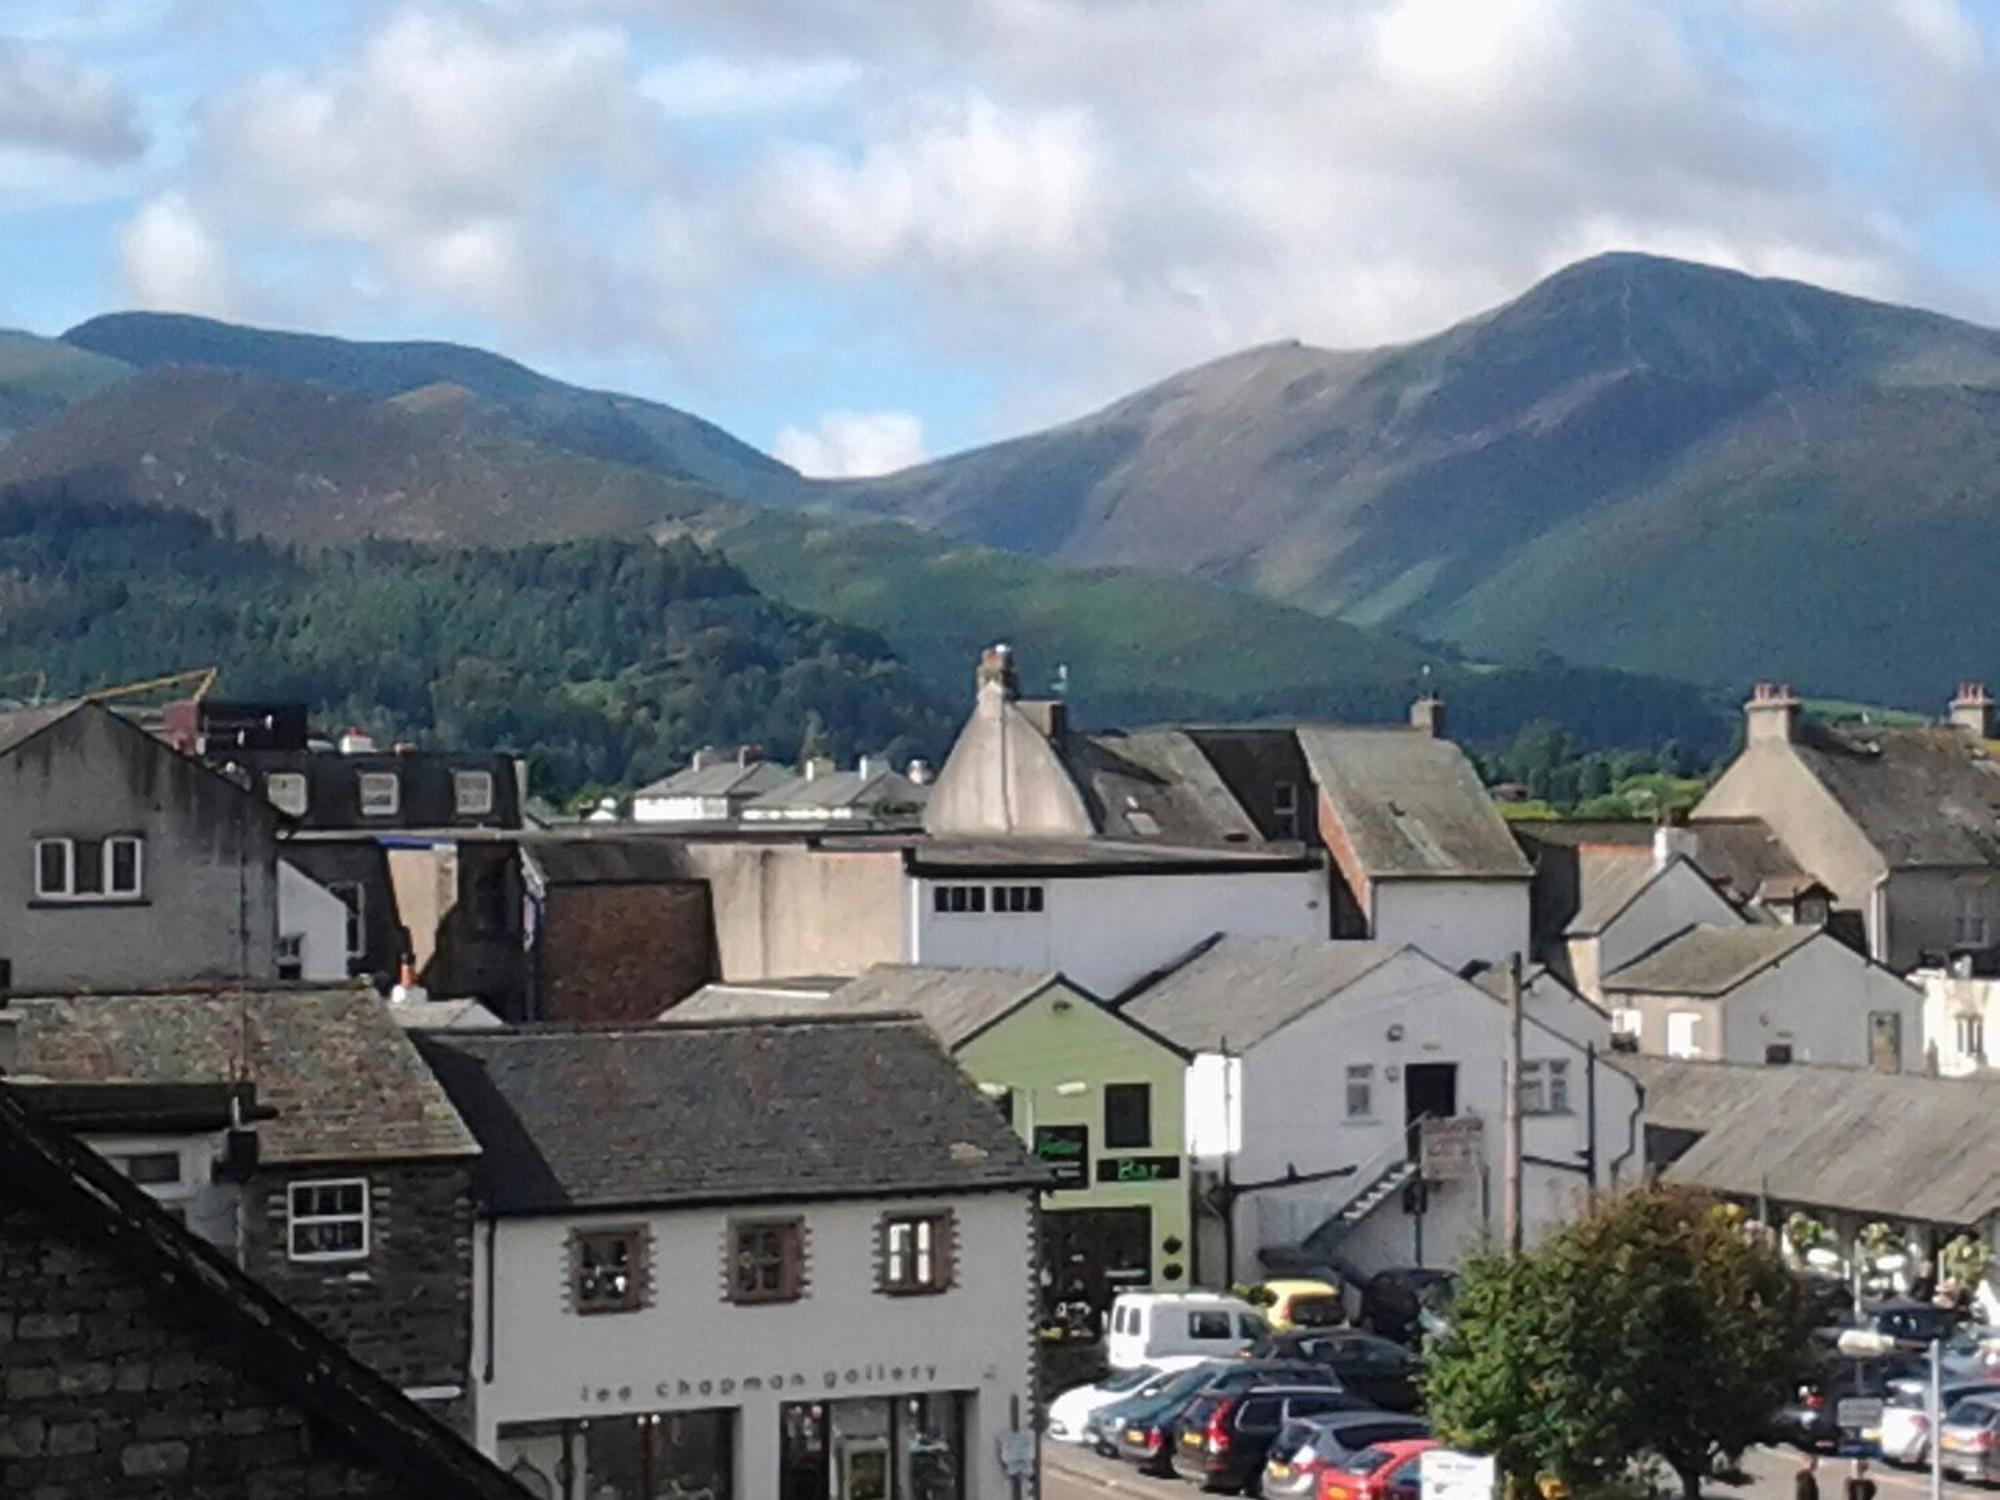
(1862, 1343)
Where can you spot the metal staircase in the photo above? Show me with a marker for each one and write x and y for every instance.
(1382, 1178)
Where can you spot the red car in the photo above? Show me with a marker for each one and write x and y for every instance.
(1387, 1471)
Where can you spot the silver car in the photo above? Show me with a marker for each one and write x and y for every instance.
(1969, 1441)
(1905, 1434)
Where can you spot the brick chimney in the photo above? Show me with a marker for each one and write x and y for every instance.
(1427, 715)
(996, 669)
(1972, 710)
(1772, 714)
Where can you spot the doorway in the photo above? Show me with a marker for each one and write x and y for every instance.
(1089, 1255)
(1430, 1092)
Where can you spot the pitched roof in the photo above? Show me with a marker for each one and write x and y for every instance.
(1236, 991)
(957, 1004)
(343, 1077)
(1710, 961)
(19, 724)
(696, 1113)
(1896, 1144)
(1609, 886)
(726, 779)
(68, 1185)
(1156, 784)
(882, 791)
(1923, 797)
(1411, 805)
(1742, 855)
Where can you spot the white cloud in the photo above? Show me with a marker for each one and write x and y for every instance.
(853, 444)
(51, 102)
(170, 260)
(708, 87)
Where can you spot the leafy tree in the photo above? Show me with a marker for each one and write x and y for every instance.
(1660, 1326)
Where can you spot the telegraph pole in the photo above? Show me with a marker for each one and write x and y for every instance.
(1510, 1107)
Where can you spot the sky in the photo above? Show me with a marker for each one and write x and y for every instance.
(862, 232)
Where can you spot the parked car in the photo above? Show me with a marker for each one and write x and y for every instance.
(1149, 1326)
(1830, 1410)
(1225, 1436)
(1105, 1428)
(1070, 1411)
(1969, 1441)
(1380, 1371)
(1398, 1303)
(1387, 1471)
(1300, 1303)
(1905, 1434)
(1304, 1453)
(1148, 1438)
(1906, 1319)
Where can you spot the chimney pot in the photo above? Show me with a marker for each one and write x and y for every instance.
(1427, 715)
(1972, 710)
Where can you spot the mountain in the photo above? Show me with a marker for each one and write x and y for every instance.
(1639, 463)
(596, 424)
(38, 377)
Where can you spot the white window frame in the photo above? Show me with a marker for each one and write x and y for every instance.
(910, 1258)
(288, 791)
(1545, 1086)
(108, 893)
(379, 779)
(478, 783)
(1971, 1035)
(1683, 1029)
(1360, 1091)
(294, 1220)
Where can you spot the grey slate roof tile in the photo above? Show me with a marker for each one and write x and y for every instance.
(1239, 990)
(1924, 797)
(1710, 961)
(1411, 805)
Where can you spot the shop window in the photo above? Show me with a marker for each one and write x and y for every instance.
(607, 1270)
(767, 1260)
(328, 1220)
(900, 1448)
(669, 1455)
(916, 1253)
(1128, 1114)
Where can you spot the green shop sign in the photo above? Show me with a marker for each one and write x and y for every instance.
(1066, 1148)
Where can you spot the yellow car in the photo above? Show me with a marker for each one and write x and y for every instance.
(1303, 1303)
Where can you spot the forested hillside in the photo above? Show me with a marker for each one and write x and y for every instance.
(609, 661)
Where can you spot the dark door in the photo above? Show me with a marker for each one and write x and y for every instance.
(1430, 1092)
(1089, 1255)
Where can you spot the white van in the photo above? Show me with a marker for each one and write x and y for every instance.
(1149, 1326)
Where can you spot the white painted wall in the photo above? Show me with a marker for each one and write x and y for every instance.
(1677, 900)
(1946, 1000)
(679, 809)
(1454, 921)
(1290, 1101)
(317, 916)
(1819, 1000)
(1105, 932)
(843, 1339)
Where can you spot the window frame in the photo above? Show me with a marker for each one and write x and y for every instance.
(461, 781)
(291, 951)
(1360, 1105)
(1116, 1139)
(925, 1270)
(294, 1220)
(1970, 1028)
(107, 892)
(304, 799)
(355, 939)
(394, 781)
(581, 1245)
(1544, 1086)
(1285, 821)
(791, 1261)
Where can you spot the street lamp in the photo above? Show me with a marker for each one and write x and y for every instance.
(1864, 1343)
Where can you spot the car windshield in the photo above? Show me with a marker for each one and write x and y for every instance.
(1317, 1312)
(1367, 1461)
(1130, 1380)
(1974, 1411)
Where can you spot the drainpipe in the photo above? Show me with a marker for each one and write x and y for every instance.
(1590, 1108)
(1631, 1129)
(492, 1229)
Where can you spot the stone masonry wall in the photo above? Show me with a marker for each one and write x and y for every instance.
(110, 1389)
(624, 952)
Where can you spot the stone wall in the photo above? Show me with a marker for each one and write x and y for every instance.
(111, 1389)
(624, 952)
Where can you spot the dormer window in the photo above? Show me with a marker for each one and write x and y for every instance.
(472, 793)
(381, 794)
(286, 791)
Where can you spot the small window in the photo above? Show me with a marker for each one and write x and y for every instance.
(124, 859)
(766, 1260)
(108, 869)
(1285, 810)
(1681, 1031)
(916, 1253)
(328, 1220)
(286, 791)
(150, 1168)
(962, 900)
(355, 899)
(1017, 898)
(1004, 1103)
(1208, 1325)
(52, 861)
(1360, 1091)
(1128, 1114)
(1545, 1087)
(291, 955)
(1972, 1036)
(1778, 1054)
(607, 1270)
(472, 793)
(381, 794)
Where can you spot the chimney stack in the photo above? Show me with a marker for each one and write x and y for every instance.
(1427, 715)
(702, 759)
(1972, 710)
(868, 766)
(817, 767)
(1772, 714)
(749, 755)
(996, 669)
(1672, 837)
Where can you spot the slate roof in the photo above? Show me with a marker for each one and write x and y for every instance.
(1899, 1145)
(47, 1170)
(1609, 887)
(957, 1004)
(726, 779)
(1411, 805)
(1239, 990)
(1156, 784)
(1923, 797)
(1743, 855)
(1709, 961)
(343, 1077)
(1055, 856)
(882, 793)
(696, 1113)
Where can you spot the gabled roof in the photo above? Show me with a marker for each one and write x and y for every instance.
(1612, 886)
(343, 1077)
(234, 1317)
(1156, 785)
(1742, 854)
(695, 1113)
(1897, 1145)
(1236, 991)
(1710, 961)
(1923, 797)
(883, 791)
(728, 779)
(957, 1004)
(19, 724)
(1411, 805)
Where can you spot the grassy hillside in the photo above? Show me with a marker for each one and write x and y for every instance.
(38, 377)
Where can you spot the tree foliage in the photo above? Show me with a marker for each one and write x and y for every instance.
(1660, 1326)
(606, 662)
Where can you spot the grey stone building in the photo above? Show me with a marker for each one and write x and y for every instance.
(138, 1363)
(346, 1190)
(125, 863)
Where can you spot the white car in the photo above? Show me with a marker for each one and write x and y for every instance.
(1071, 1410)
(1905, 1434)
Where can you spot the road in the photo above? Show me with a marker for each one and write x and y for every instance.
(1070, 1473)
